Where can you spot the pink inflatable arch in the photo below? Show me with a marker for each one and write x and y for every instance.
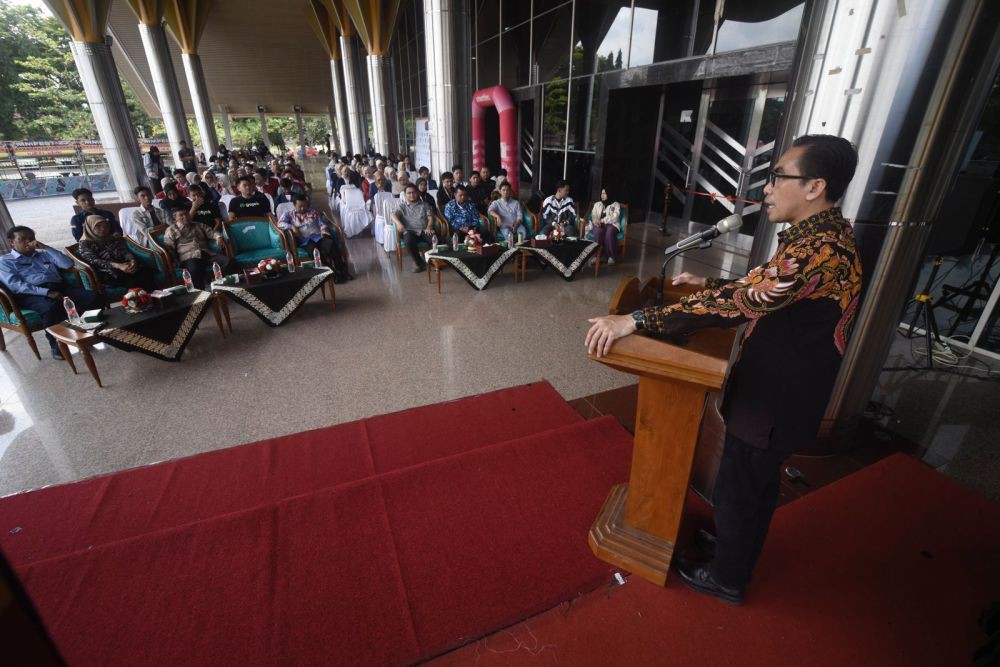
(498, 97)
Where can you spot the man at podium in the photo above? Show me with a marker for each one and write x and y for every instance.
(799, 309)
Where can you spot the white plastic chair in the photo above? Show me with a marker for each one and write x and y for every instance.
(224, 203)
(354, 214)
(389, 240)
(128, 229)
(380, 216)
(282, 208)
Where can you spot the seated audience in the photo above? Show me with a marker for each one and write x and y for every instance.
(479, 192)
(309, 227)
(457, 174)
(462, 216)
(446, 192)
(603, 225)
(215, 186)
(30, 272)
(203, 209)
(415, 221)
(146, 216)
(85, 200)
(173, 200)
(488, 179)
(249, 203)
(559, 211)
(506, 212)
(425, 173)
(219, 167)
(187, 243)
(399, 185)
(110, 257)
(426, 196)
(180, 180)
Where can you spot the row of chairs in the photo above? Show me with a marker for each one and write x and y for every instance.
(246, 241)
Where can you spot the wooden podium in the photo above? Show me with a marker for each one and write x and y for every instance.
(637, 527)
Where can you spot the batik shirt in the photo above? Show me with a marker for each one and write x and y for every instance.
(461, 215)
(799, 308)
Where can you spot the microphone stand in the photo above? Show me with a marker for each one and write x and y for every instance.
(663, 270)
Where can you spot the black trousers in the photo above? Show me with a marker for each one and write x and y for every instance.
(746, 494)
(201, 267)
(411, 239)
(329, 252)
(143, 277)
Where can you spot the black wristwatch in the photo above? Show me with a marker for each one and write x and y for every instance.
(639, 317)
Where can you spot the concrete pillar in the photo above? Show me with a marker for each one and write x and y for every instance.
(107, 105)
(380, 92)
(199, 100)
(339, 107)
(168, 94)
(448, 44)
(224, 113)
(261, 113)
(6, 223)
(352, 93)
(302, 131)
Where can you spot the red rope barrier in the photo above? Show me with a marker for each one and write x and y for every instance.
(714, 196)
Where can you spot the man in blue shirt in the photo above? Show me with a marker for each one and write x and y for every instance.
(31, 273)
(462, 216)
(85, 200)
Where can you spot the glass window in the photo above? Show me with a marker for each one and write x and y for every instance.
(554, 114)
(552, 44)
(747, 23)
(578, 167)
(542, 6)
(583, 114)
(516, 62)
(488, 63)
(552, 170)
(601, 38)
(515, 12)
(487, 19)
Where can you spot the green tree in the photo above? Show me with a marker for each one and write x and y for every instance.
(618, 60)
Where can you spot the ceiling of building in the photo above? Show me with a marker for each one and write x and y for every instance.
(253, 52)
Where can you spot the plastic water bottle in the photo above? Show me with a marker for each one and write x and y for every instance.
(317, 260)
(290, 261)
(454, 242)
(70, 307)
(434, 241)
(216, 270)
(188, 283)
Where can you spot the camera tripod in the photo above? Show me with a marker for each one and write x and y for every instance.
(925, 309)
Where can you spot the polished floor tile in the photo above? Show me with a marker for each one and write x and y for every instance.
(392, 343)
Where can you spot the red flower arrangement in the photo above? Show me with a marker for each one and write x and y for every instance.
(269, 267)
(136, 299)
(473, 240)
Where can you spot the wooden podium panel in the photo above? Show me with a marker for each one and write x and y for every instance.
(637, 527)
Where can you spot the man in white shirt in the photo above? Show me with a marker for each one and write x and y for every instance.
(507, 214)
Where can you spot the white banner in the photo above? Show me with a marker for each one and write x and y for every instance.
(423, 144)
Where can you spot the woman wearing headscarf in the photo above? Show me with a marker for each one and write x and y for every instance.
(603, 225)
(115, 265)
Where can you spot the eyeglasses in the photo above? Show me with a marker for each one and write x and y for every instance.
(772, 177)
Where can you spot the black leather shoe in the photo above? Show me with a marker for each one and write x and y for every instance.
(420, 268)
(705, 541)
(698, 577)
(57, 355)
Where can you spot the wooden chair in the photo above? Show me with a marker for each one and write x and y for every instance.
(440, 228)
(528, 219)
(174, 272)
(24, 320)
(151, 258)
(249, 241)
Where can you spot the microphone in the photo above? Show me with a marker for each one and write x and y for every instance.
(727, 224)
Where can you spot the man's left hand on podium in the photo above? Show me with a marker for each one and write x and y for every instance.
(604, 331)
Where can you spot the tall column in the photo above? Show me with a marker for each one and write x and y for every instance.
(339, 107)
(107, 105)
(302, 131)
(6, 223)
(449, 98)
(351, 93)
(262, 115)
(379, 89)
(199, 100)
(227, 130)
(168, 94)
(187, 21)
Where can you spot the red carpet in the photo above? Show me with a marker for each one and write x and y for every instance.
(889, 566)
(378, 542)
